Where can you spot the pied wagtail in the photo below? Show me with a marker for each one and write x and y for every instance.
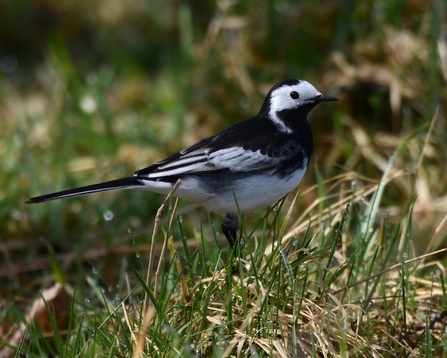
(256, 162)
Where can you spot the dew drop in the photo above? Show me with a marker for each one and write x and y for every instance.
(353, 184)
(108, 215)
(16, 214)
(88, 104)
(129, 231)
(244, 102)
(9, 64)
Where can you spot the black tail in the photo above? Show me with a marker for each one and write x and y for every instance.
(125, 183)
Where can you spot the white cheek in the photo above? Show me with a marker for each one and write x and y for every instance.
(279, 103)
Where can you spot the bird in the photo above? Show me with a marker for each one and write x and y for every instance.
(246, 167)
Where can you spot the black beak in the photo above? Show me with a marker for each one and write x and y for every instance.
(323, 98)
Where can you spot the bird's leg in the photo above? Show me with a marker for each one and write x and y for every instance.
(230, 224)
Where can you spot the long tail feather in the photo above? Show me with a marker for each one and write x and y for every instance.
(124, 183)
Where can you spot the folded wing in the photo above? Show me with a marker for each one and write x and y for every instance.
(207, 160)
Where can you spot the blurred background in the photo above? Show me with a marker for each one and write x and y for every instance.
(92, 91)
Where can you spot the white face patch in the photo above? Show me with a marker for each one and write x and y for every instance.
(281, 99)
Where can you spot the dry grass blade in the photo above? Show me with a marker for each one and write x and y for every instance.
(392, 268)
(427, 137)
(433, 239)
(173, 214)
(154, 236)
(148, 317)
(333, 209)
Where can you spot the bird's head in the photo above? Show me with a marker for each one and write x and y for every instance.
(294, 93)
(290, 95)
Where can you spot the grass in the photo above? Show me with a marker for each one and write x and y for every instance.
(352, 264)
(329, 290)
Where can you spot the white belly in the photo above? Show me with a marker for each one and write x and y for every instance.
(253, 192)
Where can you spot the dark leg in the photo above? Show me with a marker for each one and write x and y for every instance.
(230, 224)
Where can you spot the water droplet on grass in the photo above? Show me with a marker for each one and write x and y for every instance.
(108, 215)
(244, 102)
(88, 104)
(9, 63)
(16, 214)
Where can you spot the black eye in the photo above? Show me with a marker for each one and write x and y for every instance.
(294, 95)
